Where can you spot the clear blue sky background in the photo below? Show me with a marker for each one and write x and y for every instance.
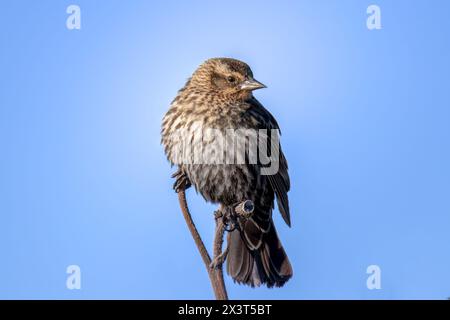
(365, 121)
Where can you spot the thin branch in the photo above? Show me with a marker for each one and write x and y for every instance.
(214, 268)
(198, 242)
(243, 210)
(218, 255)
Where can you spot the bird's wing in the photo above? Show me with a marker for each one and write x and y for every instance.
(279, 181)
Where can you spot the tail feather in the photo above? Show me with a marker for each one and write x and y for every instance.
(267, 264)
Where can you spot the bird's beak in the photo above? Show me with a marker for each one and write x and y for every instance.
(252, 84)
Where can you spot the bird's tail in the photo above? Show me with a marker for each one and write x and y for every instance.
(256, 256)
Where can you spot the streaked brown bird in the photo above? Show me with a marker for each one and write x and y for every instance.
(219, 95)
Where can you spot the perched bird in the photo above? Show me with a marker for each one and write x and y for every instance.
(219, 95)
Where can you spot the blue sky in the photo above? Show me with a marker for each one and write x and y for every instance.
(365, 122)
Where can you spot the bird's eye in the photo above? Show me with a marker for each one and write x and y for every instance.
(231, 79)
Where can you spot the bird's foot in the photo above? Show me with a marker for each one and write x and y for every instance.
(182, 182)
(218, 214)
(227, 218)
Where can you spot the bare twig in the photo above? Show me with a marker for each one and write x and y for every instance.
(198, 240)
(214, 268)
(243, 210)
(219, 257)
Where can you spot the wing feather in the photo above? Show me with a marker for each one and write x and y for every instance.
(279, 182)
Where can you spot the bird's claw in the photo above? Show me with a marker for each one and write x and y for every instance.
(182, 182)
(227, 218)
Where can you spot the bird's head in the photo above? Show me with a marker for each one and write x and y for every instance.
(225, 76)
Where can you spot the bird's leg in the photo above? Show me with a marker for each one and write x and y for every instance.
(227, 220)
(182, 181)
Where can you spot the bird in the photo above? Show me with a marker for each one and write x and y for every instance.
(219, 95)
